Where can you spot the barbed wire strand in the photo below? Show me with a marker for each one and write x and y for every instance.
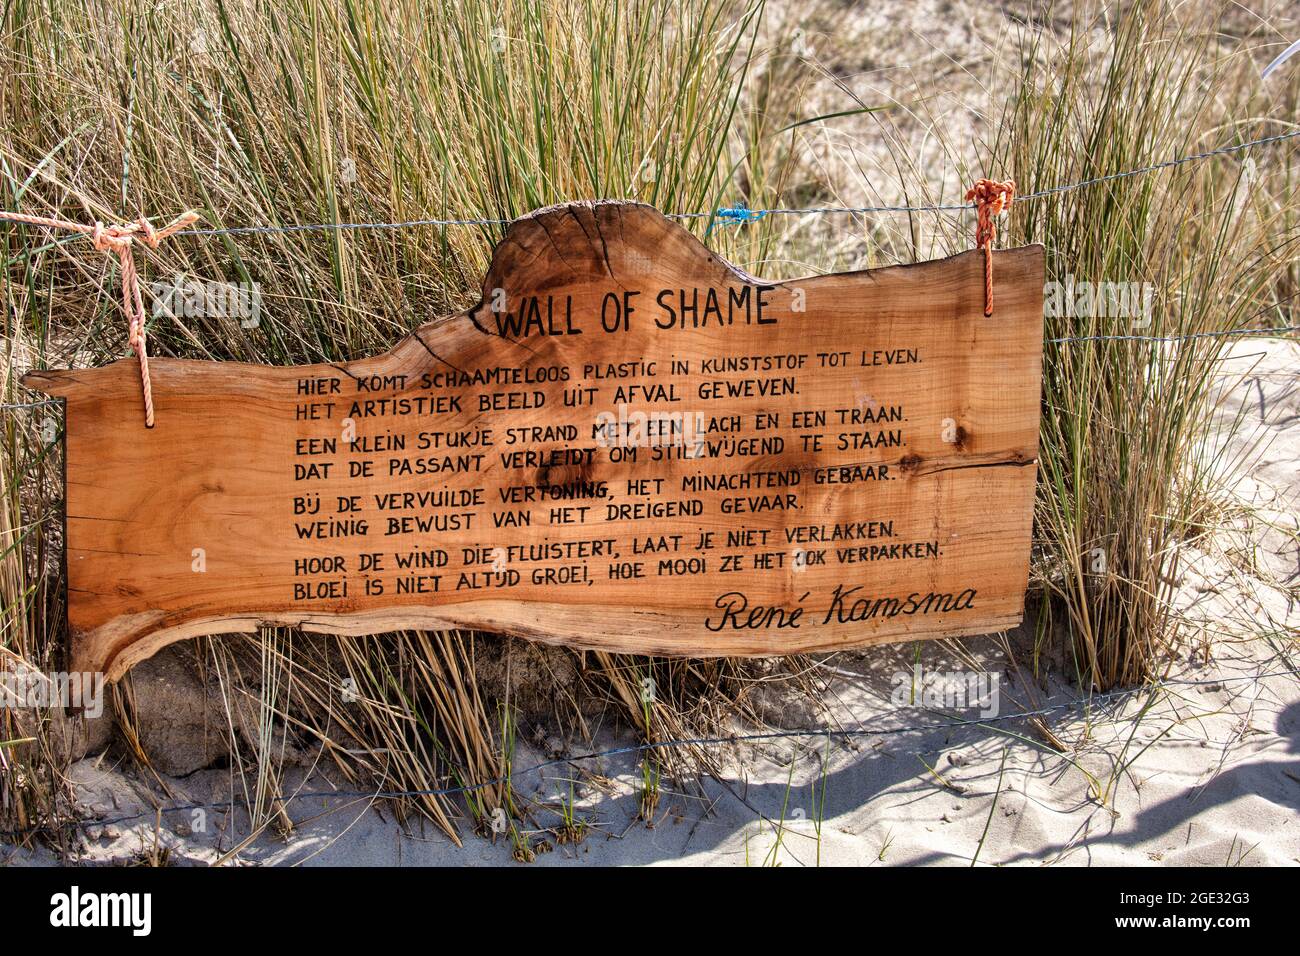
(651, 746)
(743, 213)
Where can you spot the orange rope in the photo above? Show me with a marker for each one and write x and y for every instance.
(120, 239)
(991, 198)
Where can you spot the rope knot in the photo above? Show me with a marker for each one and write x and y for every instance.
(110, 238)
(119, 239)
(147, 232)
(991, 198)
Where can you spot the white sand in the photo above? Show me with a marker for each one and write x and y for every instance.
(1220, 784)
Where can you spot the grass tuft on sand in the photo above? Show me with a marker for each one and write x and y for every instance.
(366, 111)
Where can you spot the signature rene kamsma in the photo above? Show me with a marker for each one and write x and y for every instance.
(735, 611)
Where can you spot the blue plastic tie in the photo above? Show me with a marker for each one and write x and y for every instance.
(738, 215)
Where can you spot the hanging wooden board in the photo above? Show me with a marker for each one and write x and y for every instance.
(627, 445)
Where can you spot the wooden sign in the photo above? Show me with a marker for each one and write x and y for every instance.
(628, 444)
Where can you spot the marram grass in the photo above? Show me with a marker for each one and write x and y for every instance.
(285, 113)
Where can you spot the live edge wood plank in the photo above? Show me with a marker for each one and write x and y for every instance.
(922, 471)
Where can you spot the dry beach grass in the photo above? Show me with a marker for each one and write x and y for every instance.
(367, 111)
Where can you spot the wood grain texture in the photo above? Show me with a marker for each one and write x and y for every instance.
(911, 518)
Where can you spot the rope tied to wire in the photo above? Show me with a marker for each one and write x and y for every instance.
(992, 199)
(120, 239)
